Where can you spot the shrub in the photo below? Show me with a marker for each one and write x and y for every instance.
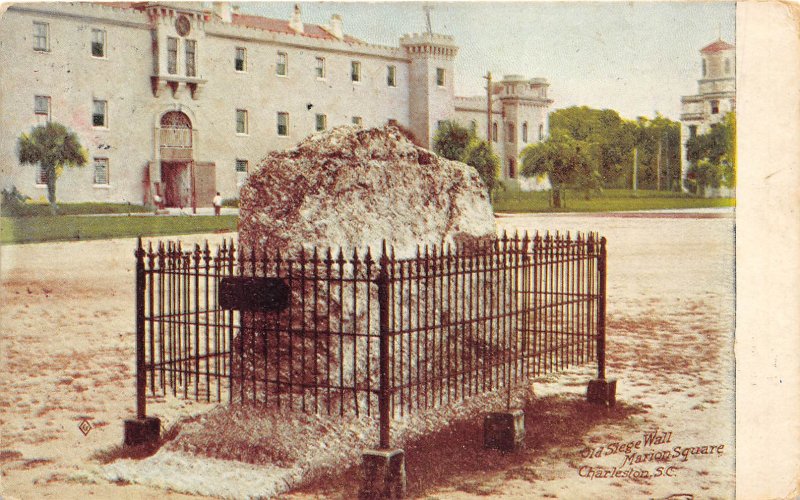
(13, 202)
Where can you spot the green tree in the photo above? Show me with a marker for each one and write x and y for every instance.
(658, 146)
(610, 139)
(712, 156)
(567, 161)
(456, 142)
(452, 140)
(480, 156)
(52, 146)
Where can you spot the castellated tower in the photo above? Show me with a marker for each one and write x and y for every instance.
(716, 95)
(524, 116)
(431, 86)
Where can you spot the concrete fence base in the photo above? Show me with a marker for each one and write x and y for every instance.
(142, 431)
(384, 475)
(602, 391)
(504, 431)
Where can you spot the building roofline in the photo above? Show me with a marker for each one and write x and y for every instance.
(719, 45)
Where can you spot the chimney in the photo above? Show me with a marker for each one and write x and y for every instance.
(296, 23)
(222, 10)
(336, 26)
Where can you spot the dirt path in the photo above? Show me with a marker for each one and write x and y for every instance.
(67, 356)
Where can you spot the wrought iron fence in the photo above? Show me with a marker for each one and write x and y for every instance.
(363, 334)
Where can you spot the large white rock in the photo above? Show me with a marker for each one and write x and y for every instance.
(354, 188)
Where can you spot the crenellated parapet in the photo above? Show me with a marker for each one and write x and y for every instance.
(429, 44)
(519, 88)
(300, 40)
(86, 12)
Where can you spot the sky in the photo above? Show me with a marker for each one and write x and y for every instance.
(638, 58)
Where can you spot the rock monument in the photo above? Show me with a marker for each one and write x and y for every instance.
(353, 188)
(349, 189)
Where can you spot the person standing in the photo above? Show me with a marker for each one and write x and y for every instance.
(217, 201)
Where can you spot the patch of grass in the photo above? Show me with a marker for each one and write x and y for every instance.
(43, 209)
(9, 455)
(453, 457)
(74, 228)
(139, 452)
(35, 462)
(610, 200)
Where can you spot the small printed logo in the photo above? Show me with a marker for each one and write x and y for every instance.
(85, 427)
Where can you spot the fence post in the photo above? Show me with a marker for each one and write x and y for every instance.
(601, 312)
(384, 469)
(383, 313)
(141, 430)
(601, 390)
(141, 374)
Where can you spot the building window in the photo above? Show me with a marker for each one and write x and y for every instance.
(320, 67)
(101, 171)
(355, 71)
(321, 123)
(41, 175)
(242, 169)
(41, 107)
(172, 55)
(283, 124)
(704, 67)
(512, 168)
(240, 62)
(440, 77)
(98, 43)
(714, 107)
(154, 46)
(41, 36)
(525, 132)
(391, 76)
(281, 66)
(494, 131)
(692, 131)
(99, 114)
(727, 66)
(357, 121)
(191, 68)
(541, 132)
(241, 121)
(511, 133)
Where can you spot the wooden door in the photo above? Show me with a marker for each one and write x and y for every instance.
(205, 183)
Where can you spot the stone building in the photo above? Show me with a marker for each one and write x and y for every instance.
(182, 99)
(716, 95)
(520, 109)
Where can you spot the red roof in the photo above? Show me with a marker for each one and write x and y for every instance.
(281, 26)
(257, 22)
(717, 46)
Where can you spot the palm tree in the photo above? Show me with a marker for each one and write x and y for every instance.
(52, 146)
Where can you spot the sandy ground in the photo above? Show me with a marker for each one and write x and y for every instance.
(67, 356)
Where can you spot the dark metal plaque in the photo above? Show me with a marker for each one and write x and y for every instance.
(253, 294)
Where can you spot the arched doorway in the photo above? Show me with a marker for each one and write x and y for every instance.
(175, 147)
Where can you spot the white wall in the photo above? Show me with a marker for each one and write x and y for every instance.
(73, 78)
